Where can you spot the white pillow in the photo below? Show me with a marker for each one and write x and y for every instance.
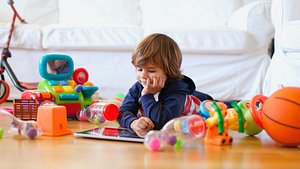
(191, 14)
(100, 12)
(254, 18)
(41, 12)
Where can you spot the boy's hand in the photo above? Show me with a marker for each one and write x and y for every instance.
(154, 85)
(143, 123)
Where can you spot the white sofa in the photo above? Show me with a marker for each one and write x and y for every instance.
(224, 42)
(284, 69)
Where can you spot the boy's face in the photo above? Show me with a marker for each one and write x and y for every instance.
(151, 72)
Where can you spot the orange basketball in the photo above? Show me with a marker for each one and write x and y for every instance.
(281, 116)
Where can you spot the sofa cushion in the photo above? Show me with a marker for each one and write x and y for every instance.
(90, 37)
(222, 40)
(41, 12)
(101, 12)
(25, 36)
(190, 14)
(254, 18)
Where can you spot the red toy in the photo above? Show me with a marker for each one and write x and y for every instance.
(38, 95)
(279, 115)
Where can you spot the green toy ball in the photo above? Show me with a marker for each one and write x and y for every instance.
(252, 128)
(1, 132)
(178, 143)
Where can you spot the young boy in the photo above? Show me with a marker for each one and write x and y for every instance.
(161, 92)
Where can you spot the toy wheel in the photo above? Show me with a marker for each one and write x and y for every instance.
(4, 91)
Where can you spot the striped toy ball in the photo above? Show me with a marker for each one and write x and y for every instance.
(281, 116)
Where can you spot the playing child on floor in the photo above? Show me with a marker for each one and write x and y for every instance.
(161, 92)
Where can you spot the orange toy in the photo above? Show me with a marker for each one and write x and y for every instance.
(53, 119)
(217, 131)
(279, 115)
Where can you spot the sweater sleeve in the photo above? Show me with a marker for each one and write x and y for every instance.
(164, 110)
(129, 108)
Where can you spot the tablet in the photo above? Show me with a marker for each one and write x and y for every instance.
(110, 133)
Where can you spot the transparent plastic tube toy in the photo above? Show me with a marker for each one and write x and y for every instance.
(10, 125)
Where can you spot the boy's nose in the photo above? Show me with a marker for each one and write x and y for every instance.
(144, 74)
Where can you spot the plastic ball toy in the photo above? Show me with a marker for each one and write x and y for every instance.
(279, 115)
(160, 140)
(1, 132)
(205, 106)
(99, 112)
(176, 133)
(193, 125)
(251, 128)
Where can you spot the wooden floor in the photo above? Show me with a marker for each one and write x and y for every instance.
(258, 152)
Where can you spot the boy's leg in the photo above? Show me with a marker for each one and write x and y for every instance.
(202, 96)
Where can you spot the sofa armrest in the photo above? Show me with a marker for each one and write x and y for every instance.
(288, 37)
(254, 18)
(284, 11)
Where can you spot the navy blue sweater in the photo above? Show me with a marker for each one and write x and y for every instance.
(170, 103)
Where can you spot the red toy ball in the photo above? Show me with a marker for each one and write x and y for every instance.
(280, 115)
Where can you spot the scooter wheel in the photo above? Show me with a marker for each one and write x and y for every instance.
(4, 91)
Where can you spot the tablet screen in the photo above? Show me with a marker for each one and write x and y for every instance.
(111, 133)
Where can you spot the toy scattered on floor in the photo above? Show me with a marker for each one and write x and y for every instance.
(25, 109)
(218, 120)
(73, 94)
(101, 110)
(53, 119)
(38, 95)
(176, 133)
(217, 131)
(235, 118)
(279, 115)
(205, 106)
(1, 132)
(221, 119)
(10, 125)
(251, 128)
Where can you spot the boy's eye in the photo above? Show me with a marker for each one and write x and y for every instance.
(139, 69)
(151, 71)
